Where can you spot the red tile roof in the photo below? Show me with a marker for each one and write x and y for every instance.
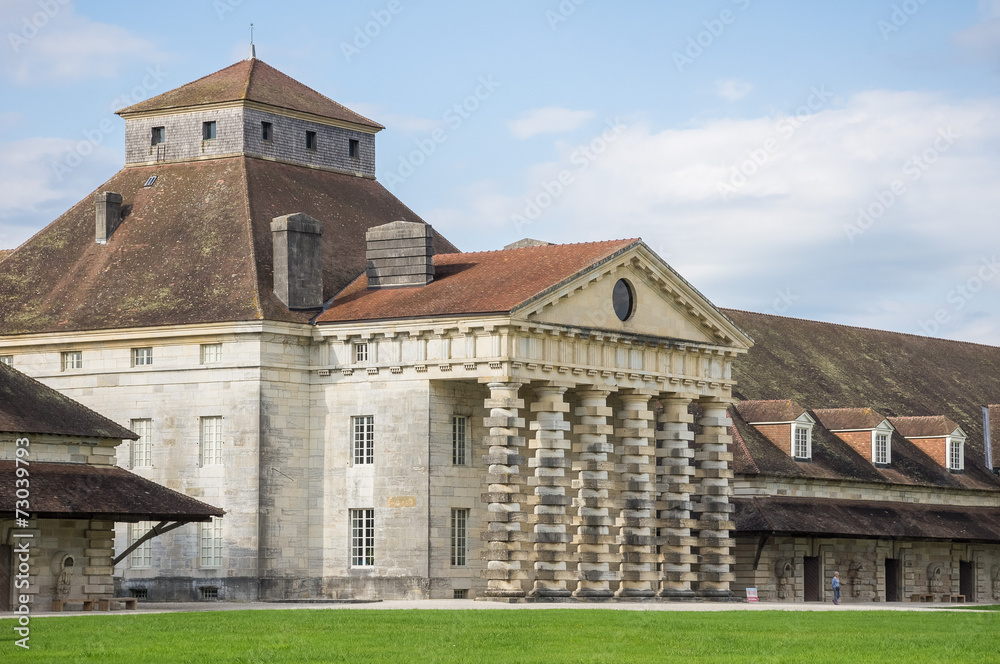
(474, 283)
(195, 247)
(923, 427)
(251, 80)
(780, 410)
(846, 419)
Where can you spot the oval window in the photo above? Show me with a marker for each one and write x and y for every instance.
(623, 300)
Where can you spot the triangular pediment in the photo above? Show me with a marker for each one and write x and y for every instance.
(664, 305)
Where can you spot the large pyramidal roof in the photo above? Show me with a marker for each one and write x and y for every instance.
(251, 81)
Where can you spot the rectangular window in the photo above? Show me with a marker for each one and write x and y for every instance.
(459, 536)
(310, 140)
(354, 148)
(7, 359)
(207, 131)
(211, 441)
(141, 557)
(459, 427)
(158, 136)
(882, 448)
(142, 449)
(956, 459)
(801, 443)
(362, 538)
(211, 353)
(364, 439)
(142, 357)
(460, 593)
(360, 352)
(211, 543)
(72, 359)
(266, 132)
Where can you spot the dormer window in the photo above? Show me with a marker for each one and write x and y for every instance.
(354, 148)
(880, 449)
(956, 453)
(159, 135)
(802, 442)
(208, 131)
(310, 140)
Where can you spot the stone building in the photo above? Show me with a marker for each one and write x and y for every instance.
(378, 414)
(61, 496)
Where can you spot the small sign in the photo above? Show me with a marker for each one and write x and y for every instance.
(751, 594)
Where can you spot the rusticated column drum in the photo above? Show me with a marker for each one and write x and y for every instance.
(714, 478)
(674, 470)
(636, 473)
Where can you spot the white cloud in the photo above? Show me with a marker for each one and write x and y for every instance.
(548, 120)
(409, 124)
(982, 40)
(785, 229)
(733, 89)
(46, 41)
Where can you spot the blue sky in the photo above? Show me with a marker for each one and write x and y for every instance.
(833, 161)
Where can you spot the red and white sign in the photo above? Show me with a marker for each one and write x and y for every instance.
(751, 594)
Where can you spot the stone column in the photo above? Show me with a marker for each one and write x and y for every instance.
(713, 508)
(674, 469)
(550, 537)
(504, 551)
(594, 501)
(636, 472)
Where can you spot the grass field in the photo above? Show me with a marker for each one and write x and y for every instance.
(511, 637)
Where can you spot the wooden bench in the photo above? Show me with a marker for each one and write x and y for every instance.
(958, 599)
(57, 604)
(129, 602)
(922, 598)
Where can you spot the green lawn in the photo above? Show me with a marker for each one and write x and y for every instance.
(510, 637)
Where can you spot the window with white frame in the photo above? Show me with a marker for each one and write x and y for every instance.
(141, 556)
(142, 357)
(210, 544)
(459, 536)
(459, 431)
(7, 359)
(361, 352)
(211, 440)
(956, 457)
(880, 453)
(802, 442)
(363, 538)
(363, 431)
(142, 449)
(211, 353)
(72, 359)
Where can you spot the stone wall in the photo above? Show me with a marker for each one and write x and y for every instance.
(760, 485)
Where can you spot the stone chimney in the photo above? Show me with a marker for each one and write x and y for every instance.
(400, 254)
(298, 263)
(107, 215)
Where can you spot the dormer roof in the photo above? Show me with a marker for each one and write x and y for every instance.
(774, 411)
(849, 419)
(250, 81)
(933, 426)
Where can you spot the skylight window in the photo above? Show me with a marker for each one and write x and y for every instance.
(150, 181)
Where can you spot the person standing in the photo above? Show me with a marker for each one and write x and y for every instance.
(836, 587)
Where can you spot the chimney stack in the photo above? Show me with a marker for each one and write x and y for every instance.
(400, 254)
(108, 214)
(298, 263)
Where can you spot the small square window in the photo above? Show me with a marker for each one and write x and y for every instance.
(354, 148)
(158, 136)
(459, 429)
(310, 140)
(360, 352)
(142, 357)
(139, 593)
(72, 359)
(211, 353)
(208, 592)
(266, 132)
(7, 359)
(207, 131)
(460, 593)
